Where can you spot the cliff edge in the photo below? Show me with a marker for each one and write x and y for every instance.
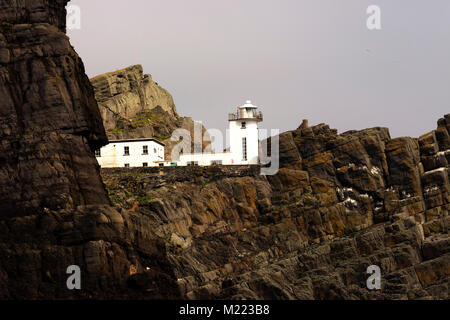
(49, 119)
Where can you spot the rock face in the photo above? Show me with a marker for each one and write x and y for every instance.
(54, 210)
(339, 203)
(36, 11)
(124, 93)
(49, 119)
(132, 105)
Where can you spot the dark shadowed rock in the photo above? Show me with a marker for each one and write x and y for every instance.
(49, 119)
(54, 209)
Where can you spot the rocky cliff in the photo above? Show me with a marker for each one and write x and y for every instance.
(132, 105)
(54, 210)
(339, 203)
(49, 119)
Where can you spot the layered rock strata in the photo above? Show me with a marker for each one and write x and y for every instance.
(54, 210)
(339, 204)
(49, 119)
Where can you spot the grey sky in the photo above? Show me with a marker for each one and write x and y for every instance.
(297, 59)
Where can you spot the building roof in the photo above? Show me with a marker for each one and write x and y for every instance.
(242, 113)
(137, 140)
(248, 104)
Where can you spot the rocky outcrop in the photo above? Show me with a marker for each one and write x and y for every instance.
(116, 252)
(49, 119)
(132, 105)
(36, 11)
(124, 93)
(339, 204)
(54, 210)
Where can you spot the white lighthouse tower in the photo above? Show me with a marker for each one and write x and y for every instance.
(244, 134)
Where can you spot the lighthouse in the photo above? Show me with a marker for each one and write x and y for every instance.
(244, 134)
(243, 138)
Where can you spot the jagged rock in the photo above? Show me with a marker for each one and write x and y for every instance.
(49, 119)
(54, 209)
(125, 93)
(339, 204)
(132, 105)
(288, 153)
(35, 252)
(36, 11)
(443, 133)
(293, 235)
(403, 158)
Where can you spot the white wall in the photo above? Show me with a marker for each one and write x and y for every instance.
(251, 133)
(112, 155)
(235, 156)
(205, 159)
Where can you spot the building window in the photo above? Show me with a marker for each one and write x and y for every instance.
(127, 165)
(161, 164)
(126, 151)
(154, 150)
(244, 149)
(145, 164)
(198, 147)
(192, 163)
(216, 162)
(243, 125)
(145, 150)
(98, 153)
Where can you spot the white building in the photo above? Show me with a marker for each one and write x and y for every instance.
(244, 147)
(244, 141)
(131, 153)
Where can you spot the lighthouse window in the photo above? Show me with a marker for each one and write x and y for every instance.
(244, 149)
(145, 150)
(244, 125)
